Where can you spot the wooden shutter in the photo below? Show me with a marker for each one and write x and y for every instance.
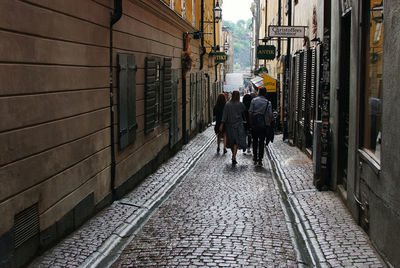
(174, 120)
(198, 88)
(167, 91)
(150, 95)
(192, 94)
(126, 99)
(313, 89)
(297, 87)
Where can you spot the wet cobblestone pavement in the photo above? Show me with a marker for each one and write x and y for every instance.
(216, 214)
(332, 234)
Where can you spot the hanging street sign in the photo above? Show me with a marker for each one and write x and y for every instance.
(269, 83)
(220, 57)
(287, 31)
(266, 52)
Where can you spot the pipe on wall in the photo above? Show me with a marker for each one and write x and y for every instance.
(115, 16)
(203, 52)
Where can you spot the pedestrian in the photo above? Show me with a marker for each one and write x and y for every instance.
(246, 101)
(260, 115)
(232, 120)
(217, 112)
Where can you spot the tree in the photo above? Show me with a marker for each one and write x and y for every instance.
(241, 42)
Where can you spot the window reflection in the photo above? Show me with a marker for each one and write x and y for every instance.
(373, 85)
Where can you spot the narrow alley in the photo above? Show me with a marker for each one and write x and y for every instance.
(199, 210)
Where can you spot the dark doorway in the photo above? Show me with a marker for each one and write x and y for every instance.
(343, 97)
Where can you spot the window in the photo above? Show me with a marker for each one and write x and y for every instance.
(372, 99)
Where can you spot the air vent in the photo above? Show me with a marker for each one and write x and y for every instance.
(26, 225)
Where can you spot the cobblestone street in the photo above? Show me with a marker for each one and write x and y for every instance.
(199, 210)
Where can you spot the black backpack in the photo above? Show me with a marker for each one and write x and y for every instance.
(258, 120)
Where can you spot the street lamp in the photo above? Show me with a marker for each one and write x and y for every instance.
(217, 12)
(226, 45)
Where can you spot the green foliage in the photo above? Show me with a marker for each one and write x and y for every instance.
(241, 43)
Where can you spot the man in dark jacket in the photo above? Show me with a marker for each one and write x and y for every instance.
(260, 116)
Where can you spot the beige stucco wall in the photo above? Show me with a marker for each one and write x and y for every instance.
(54, 99)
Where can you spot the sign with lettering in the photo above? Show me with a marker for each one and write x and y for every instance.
(266, 52)
(269, 83)
(220, 57)
(287, 31)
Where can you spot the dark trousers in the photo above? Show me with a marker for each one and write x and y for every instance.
(258, 143)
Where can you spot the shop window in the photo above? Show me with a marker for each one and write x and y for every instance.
(372, 99)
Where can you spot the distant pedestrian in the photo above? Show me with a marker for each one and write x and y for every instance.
(247, 127)
(260, 115)
(217, 112)
(232, 119)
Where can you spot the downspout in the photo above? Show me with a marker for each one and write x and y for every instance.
(184, 133)
(287, 69)
(115, 16)
(279, 23)
(203, 49)
(215, 43)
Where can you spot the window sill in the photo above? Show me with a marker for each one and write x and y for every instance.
(372, 161)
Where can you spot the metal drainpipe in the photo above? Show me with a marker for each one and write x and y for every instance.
(184, 133)
(115, 16)
(202, 35)
(215, 42)
(287, 69)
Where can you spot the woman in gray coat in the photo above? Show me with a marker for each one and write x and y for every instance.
(232, 119)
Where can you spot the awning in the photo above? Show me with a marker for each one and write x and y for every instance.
(269, 83)
(257, 81)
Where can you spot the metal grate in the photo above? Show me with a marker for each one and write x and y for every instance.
(26, 225)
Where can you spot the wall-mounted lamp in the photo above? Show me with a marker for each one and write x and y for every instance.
(196, 34)
(226, 46)
(266, 39)
(377, 13)
(316, 40)
(217, 12)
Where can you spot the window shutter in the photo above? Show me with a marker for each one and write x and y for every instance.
(313, 89)
(192, 110)
(198, 77)
(174, 122)
(126, 99)
(150, 95)
(167, 92)
(297, 60)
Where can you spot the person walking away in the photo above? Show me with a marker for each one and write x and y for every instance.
(260, 115)
(246, 101)
(232, 120)
(217, 112)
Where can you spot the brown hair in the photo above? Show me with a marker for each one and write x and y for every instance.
(221, 100)
(235, 96)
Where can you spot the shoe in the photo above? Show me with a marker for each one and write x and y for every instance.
(255, 161)
(234, 162)
(225, 151)
(248, 151)
(217, 150)
(259, 163)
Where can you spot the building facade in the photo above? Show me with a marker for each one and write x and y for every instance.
(339, 102)
(91, 104)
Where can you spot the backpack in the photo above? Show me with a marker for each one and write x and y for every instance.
(258, 120)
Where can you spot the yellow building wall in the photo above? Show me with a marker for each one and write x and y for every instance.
(178, 7)
(188, 5)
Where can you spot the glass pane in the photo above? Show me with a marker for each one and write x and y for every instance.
(373, 85)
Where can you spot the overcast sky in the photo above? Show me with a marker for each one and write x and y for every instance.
(234, 10)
